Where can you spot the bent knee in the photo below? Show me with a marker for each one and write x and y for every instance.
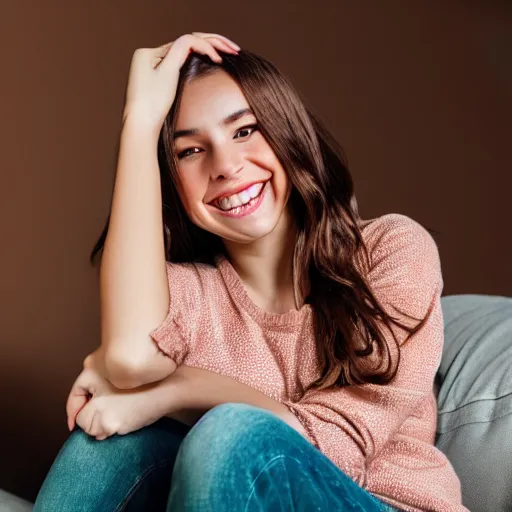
(87, 455)
(83, 453)
(234, 413)
(235, 427)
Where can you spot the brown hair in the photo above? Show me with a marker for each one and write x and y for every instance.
(329, 247)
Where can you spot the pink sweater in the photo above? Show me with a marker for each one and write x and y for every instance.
(382, 436)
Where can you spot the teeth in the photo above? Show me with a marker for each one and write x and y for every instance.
(255, 190)
(243, 197)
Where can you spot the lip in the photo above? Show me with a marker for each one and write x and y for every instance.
(253, 208)
(235, 190)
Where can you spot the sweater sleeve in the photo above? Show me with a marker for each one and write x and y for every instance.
(174, 335)
(351, 425)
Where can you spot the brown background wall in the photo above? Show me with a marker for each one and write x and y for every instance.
(418, 93)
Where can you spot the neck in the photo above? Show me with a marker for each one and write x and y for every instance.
(265, 266)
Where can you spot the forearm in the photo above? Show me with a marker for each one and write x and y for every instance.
(190, 392)
(196, 391)
(134, 294)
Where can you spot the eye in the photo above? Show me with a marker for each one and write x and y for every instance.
(252, 128)
(245, 132)
(186, 152)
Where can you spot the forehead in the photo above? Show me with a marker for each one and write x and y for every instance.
(208, 99)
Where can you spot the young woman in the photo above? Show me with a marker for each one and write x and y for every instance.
(263, 347)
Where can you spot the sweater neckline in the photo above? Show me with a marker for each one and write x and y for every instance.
(236, 288)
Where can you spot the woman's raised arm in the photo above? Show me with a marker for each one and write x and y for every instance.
(134, 290)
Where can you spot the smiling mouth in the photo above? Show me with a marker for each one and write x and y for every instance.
(244, 209)
(241, 201)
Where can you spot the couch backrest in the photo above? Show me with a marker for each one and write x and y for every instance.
(474, 399)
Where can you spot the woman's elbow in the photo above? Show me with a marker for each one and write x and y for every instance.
(128, 372)
(122, 371)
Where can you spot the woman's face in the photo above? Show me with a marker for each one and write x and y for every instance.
(230, 181)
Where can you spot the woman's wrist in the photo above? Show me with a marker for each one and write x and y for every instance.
(169, 400)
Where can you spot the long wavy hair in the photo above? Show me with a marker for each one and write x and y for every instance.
(331, 260)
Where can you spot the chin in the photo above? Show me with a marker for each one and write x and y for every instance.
(247, 235)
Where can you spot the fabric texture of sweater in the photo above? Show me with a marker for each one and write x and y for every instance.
(382, 436)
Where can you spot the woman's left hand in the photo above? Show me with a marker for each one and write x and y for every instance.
(101, 410)
(116, 412)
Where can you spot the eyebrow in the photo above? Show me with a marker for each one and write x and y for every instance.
(235, 116)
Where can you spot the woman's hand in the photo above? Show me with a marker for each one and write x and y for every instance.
(102, 410)
(154, 74)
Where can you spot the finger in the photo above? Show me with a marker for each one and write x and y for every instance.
(104, 434)
(85, 418)
(219, 43)
(102, 427)
(224, 38)
(182, 47)
(200, 45)
(161, 51)
(96, 429)
(77, 399)
(75, 406)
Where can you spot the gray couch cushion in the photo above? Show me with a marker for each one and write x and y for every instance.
(475, 398)
(11, 503)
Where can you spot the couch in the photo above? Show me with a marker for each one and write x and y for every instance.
(474, 394)
(474, 398)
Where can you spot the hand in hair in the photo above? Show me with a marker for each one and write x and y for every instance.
(154, 74)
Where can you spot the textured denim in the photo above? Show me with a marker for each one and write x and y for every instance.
(236, 458)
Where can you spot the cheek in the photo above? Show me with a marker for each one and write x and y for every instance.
(192, 186)
(262, 155)
(279, 177)
(282, 185)
(192, 189)
(184, 194)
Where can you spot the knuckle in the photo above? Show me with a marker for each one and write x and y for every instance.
(142, 51)
(111, 427)
(185, 38)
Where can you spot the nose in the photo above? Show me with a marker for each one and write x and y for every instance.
(226, 163)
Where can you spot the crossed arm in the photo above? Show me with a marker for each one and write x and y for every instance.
(101, 409)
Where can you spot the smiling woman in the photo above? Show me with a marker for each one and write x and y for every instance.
(300, 342)
(220, 155)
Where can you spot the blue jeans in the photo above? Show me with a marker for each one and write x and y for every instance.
(235, 458)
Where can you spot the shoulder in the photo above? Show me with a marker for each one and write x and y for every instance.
(189, 281)
(391, 227)
(405, 262)
(395, 236)
(191, 270)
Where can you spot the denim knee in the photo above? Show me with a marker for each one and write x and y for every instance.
(101, 475)
(235, 426)
(230, 435)
(241, 457)
(75, 471)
